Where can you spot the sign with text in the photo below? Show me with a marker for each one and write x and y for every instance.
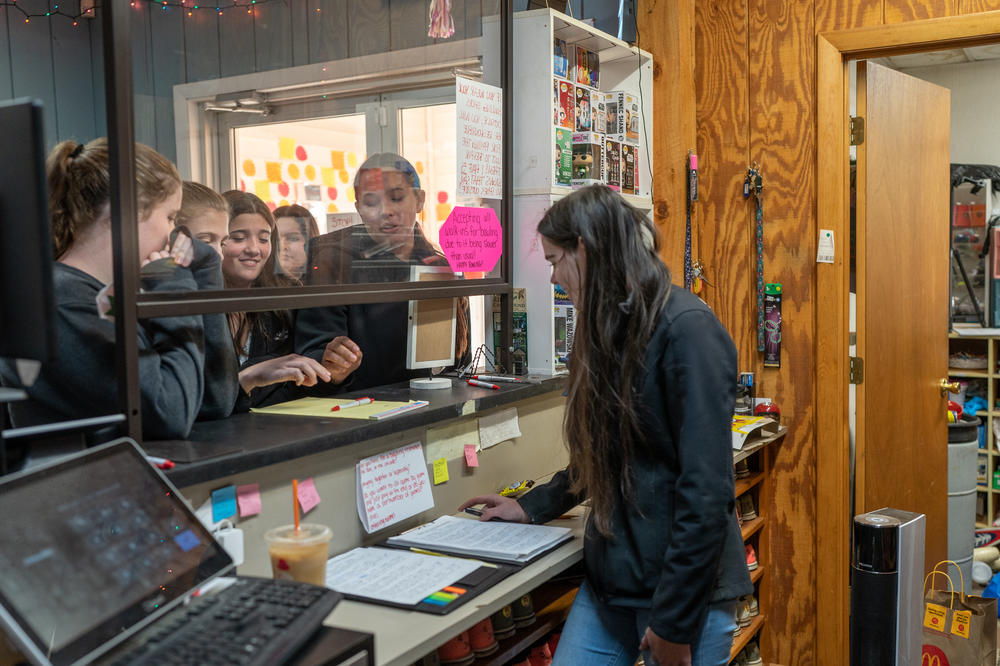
(393, 486)
(479, 115)
(471, 239)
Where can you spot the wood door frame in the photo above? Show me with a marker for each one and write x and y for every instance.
(834, 50)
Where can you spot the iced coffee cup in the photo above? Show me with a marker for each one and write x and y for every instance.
(299, 555)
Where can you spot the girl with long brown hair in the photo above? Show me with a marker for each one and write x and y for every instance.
(647, 423)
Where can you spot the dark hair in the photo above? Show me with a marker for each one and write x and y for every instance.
(243, 323)
(302, 216)
(624, 287)
(79, 182)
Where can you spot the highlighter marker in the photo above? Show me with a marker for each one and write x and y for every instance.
(476, 382)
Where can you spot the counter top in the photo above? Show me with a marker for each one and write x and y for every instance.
(244, 442)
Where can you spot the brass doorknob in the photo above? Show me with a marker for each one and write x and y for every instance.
(949, 387)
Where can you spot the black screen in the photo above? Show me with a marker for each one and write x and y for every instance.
(26, 300)
(94, 545)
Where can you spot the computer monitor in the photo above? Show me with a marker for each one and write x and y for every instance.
(27, 309)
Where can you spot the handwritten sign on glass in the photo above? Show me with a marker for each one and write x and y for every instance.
(479, 115)
(471, 239)
(393, 486)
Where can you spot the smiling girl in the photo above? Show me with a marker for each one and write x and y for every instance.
(263, 341)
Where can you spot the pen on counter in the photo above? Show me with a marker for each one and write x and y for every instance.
(496, 378)
(161, 463)
(476, 382)
(474, 512)
(353, 403)
(402, 409)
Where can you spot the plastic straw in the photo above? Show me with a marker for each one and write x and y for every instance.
(295, 503)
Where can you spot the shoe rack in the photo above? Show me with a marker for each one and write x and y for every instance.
(759, 456)
(988, 460)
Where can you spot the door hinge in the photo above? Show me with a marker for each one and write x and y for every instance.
(857, 131)
(857, 370)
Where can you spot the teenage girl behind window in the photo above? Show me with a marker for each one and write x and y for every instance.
(296, 227)
(81, 381)
(263, 341)
(205, 213)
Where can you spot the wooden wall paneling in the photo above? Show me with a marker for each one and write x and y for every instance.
(327, 30)
(974, 6)
(899, 11)
(367, 27)
(843, 14)
(831, 314)
(143, 95)
(666, 29)
(782, 138)
(6, 84)
(202, 59)
(31, 62)
(272, 27)
(300, 19)
(723, 217)
(408, 22)
(97, 71)
(74, 80)
(168, 69)
(237, 50)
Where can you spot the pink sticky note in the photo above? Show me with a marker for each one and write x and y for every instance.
(248, 499)
(471, 239)
(471, 459)
(308, 497)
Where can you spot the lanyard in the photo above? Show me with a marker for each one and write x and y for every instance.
(755, 182)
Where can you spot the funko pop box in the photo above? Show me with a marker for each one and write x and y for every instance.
(587, 159)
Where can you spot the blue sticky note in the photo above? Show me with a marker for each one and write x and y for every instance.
(223, 503)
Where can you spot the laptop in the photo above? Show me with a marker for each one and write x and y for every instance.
(95, 547)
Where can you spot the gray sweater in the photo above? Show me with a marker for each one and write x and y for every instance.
(177, 384)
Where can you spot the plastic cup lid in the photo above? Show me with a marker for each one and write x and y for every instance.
(308, 533)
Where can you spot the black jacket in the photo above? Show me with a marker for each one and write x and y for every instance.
(272, 337)
(678, 546)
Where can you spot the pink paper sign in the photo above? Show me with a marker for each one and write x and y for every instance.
(471, 239)
(248, 498)
(308, 497)
(471, 459)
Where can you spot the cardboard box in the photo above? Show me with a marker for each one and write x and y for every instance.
(583, 96)
(623, 117)
(560, 59)
(629, 162)
(587, 159)
(565, 105)
(564, 315)
(594, 69)
(581, 67)
(563, 167)
(598, 115)
(612, 164)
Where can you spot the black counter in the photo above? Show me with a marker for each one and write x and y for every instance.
(240, 443)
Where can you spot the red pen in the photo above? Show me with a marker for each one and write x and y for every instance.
(161, 463)
(476, 382)
(353, 403)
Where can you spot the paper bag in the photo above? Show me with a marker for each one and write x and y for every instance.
(958, 630)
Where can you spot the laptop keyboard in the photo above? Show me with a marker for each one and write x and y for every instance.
(253, 621)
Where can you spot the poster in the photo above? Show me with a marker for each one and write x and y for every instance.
(479, 115)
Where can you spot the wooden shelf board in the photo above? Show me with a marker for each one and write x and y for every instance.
(968, 372)
(746, 636)
(756, 445)
(743, 485)
(757, 573)
(751, 527)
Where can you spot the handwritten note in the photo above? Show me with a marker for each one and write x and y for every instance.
(479, 112)
(248, 499)
(440, 471)
(308, 497)
(393, 486)
(223, 503)
(471, 459)
(471, 239)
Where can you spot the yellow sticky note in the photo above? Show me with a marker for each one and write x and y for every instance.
(262, 188)
(934, 617)
(960, 623)
(273, 171)
(337, 159)
(440, 470)
(329, 176)
(286, 148)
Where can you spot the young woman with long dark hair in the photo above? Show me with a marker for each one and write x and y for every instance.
(647, 423)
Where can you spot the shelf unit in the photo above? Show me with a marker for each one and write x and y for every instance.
(759, 455)
(622, 67)
(987, 496)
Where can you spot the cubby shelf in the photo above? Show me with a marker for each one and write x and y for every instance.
(746, 635)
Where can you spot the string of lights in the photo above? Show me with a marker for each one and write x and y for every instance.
(186, 6)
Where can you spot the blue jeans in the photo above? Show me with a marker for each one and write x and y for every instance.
(597, 634)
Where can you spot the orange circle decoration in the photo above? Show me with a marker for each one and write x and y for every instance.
(352, 160)
(442, 197)
(331, 208)
(310, 172)
(249, 168)
(300, 153)
(283, 189)
(331, 193)
(419, 166)
(293, 171)
(343, 176)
